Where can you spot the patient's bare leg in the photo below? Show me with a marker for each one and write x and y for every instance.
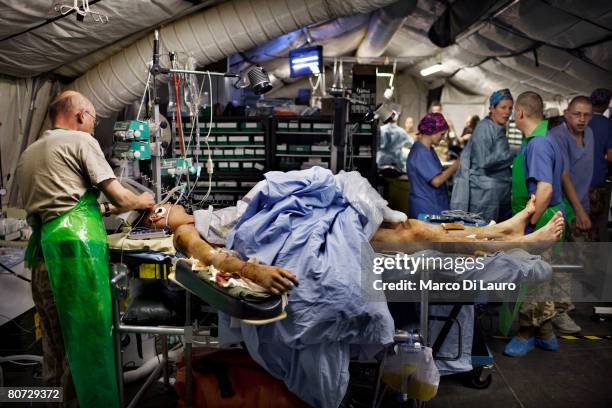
(415, 230)
(418, 234)
(276, 280)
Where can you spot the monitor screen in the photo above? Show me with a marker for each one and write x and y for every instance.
(306, 61)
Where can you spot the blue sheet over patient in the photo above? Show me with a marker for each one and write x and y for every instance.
(301, 222)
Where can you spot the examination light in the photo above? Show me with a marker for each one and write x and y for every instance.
(259, 80)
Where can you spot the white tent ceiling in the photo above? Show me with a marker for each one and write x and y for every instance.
(557, 47)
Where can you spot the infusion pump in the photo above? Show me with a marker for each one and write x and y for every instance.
(132, 140)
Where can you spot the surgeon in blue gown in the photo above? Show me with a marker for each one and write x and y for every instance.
(428, 192)
(484, 181)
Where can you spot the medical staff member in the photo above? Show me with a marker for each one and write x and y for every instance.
(599, 193)
(392, 140)
(484, 181)
(576, 141)
(59, 177)
(428, 192)
(575, 138)
(536, 171)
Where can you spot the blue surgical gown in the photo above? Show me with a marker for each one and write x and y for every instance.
(392, 139)
(422, 166)
(488, 161)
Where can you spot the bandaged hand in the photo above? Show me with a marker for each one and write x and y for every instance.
(272, 278)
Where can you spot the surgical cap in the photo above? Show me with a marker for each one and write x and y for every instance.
(601, 97)
(432, 123)
(498, 96)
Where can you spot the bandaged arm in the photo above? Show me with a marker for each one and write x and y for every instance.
(274, 279)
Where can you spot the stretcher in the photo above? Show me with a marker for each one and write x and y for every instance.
(160, 266)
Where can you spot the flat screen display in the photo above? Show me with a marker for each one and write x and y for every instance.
(306, 61)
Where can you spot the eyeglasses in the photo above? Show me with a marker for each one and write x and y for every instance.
(96, 121)
(579, 115)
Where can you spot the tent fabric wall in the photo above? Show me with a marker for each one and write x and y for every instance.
(411, 94)
(457, 105)
(16, 96)
(65, 41)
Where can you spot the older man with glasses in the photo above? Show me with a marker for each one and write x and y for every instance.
(60, 176)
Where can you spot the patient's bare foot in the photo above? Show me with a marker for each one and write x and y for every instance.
(548, 234)
(272, 278)
(516, 225)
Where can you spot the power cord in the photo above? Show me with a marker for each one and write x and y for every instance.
(15, 273)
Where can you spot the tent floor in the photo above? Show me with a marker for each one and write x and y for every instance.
(577, 375)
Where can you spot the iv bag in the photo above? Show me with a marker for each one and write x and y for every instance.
(192, 88)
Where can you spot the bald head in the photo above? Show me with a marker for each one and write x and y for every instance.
(531, 104)
(71, 110)
(578, 114)
(578, 99)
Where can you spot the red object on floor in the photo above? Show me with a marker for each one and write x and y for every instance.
(230, 378)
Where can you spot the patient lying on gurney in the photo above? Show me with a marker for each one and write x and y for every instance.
(317, 225)
(503, 236)
(188, 240)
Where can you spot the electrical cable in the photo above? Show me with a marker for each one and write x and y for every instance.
(209, 167)
(22, 364)
(48, 21)
(15, 323)
(144, 94)
(15, 273)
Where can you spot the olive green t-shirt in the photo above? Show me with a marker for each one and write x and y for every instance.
(54, 172)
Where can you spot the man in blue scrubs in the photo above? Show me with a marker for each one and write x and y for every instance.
(575, 139)
(599, 194)
(537, 170)
(428, 192)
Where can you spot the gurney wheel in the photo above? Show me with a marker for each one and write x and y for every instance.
(479, 378)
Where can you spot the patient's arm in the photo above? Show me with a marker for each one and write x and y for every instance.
(274, 279)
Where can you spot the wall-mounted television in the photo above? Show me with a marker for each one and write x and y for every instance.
(306, 61)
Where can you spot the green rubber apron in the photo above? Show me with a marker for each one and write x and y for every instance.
(520, 197)
(75, 253)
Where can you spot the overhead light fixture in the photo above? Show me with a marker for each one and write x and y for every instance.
(259, 80)
(256, 78)
(432, 70)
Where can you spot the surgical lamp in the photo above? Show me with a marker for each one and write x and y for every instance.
(382, 72)
(259, 80)
(385, 112)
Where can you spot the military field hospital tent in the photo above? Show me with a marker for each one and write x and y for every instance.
(558, 48)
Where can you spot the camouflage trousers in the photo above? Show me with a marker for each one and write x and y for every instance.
(555, 296)
(56, 371)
